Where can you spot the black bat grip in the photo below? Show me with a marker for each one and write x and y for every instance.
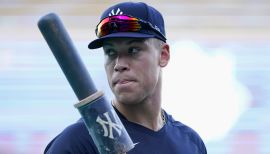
(66, 55)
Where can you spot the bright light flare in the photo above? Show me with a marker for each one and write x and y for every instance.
(201, 90)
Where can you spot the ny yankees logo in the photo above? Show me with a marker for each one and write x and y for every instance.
(115, 13)
(108, 131)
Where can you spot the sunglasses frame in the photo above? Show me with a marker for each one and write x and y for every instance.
(142, 23)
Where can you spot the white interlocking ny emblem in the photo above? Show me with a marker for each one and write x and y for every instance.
(115, 13)
(108, 125)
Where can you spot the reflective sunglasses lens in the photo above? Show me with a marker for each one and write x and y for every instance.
(118, 23)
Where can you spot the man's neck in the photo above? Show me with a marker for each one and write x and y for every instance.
(147, 114)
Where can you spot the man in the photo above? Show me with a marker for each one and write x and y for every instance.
(133, 39)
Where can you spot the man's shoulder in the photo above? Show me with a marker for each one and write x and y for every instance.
(183, 128)
(76, 129)
(186, 132)
(74, 138)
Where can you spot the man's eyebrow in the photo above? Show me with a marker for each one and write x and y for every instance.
(136, 41)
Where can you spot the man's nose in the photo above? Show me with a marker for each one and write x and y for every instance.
(121, 64)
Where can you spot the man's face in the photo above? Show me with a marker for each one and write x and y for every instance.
(132, 67)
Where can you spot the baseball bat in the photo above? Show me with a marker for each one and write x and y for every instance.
(95, 110)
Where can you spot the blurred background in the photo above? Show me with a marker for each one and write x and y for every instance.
(217, 81)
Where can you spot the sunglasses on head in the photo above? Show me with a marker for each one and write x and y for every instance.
(125, 23)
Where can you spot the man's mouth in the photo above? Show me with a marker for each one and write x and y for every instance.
(123, 81)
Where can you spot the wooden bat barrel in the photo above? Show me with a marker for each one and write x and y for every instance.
(66, 55)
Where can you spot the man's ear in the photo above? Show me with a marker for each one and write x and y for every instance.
(164, 55)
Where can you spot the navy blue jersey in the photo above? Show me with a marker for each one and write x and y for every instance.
(173, 138)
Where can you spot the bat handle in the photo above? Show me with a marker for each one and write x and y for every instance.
(104, 125)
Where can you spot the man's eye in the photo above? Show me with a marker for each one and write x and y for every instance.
(134, 51)
(110, 52)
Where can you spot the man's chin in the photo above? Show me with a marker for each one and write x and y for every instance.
(127, 100)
